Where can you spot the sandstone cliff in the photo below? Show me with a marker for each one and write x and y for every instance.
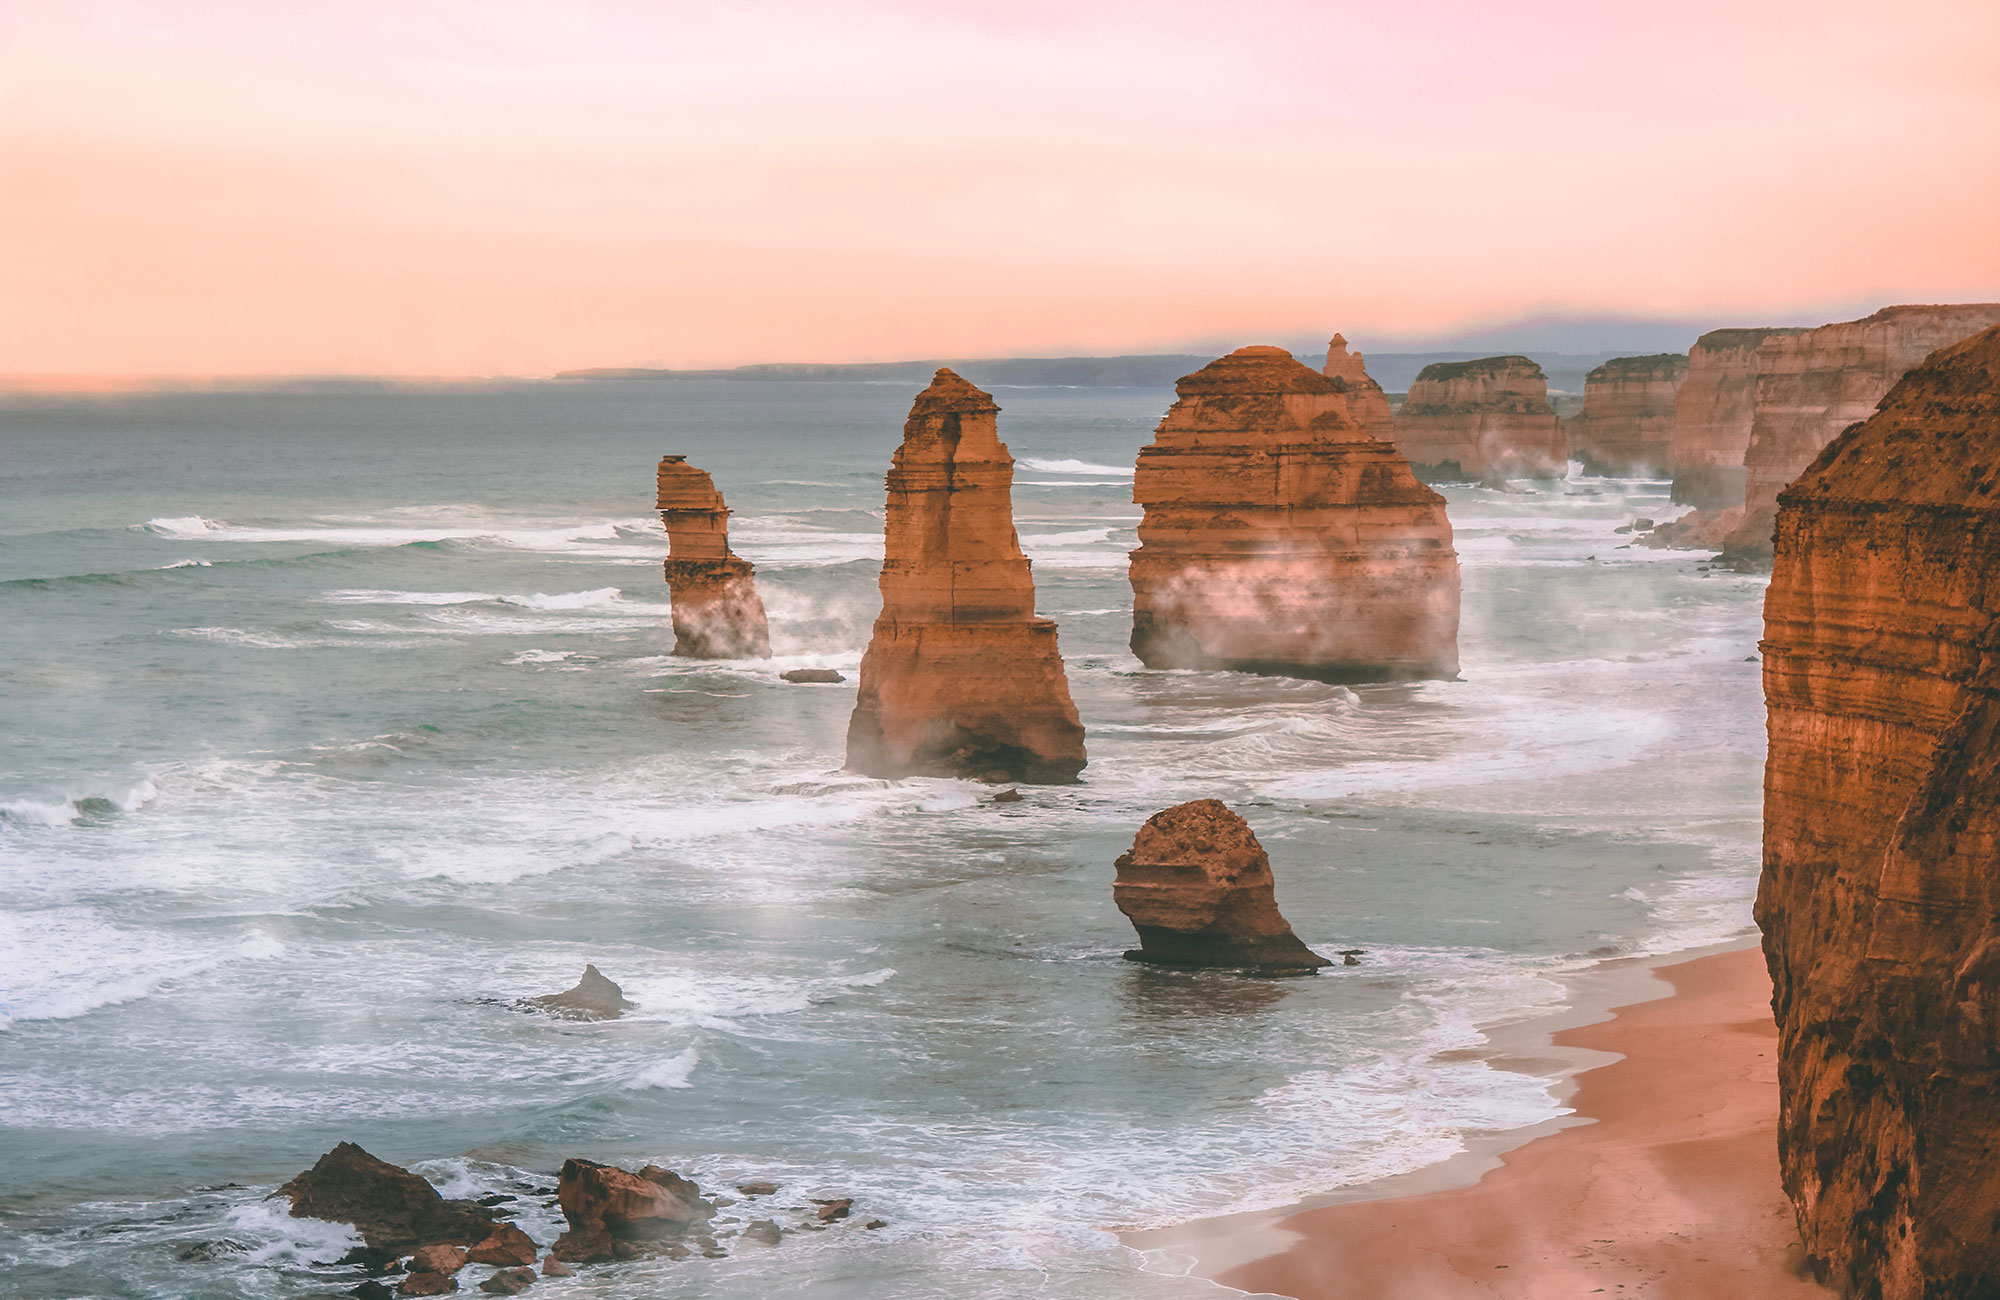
(1280, 537)
(717, 612)
(1814, 383)
(1880, 898)
(1627, 425)
(960, 677)
(1712, 416)
(1197, 887)
(1367, 404)
(1482, 419)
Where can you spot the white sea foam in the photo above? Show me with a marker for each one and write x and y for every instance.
(61, 962)
(676, 1071)
(69, 808)
(1076, 467)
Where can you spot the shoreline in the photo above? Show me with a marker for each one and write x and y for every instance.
(1662, 1179)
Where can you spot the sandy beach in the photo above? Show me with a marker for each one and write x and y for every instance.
(1664, 1183)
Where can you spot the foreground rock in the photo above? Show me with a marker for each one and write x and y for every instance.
(1279, 536)
(960, 677)
(1367, 404)
(506, 1246)
(392, 1208)
(1880, 896)
(1484, 419)
(1627, 425)
(593, 998)
(717, 612)
(1197, 887)
(614, 1214)
(1713, 412)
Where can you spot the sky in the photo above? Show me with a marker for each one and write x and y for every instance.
(486, 187)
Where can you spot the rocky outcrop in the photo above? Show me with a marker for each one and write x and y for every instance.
(716, 610)
(392, 1208)
(1367, 404)
(1484, 419)
(1880, 896)
(960, 677)
(1627, 425)
(613, 1214)
(1814, 383)
(1197, 887)
(507, 1246)
(594, 998)
(1279, 536)
(1712, 417)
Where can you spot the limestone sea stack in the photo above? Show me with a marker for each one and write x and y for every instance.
(1880, 896)
(1814, 383)
(1367, 404)
(1279, 536)
(716, 610)
(1712, 416)
(960, 677)
(1484, 419)
(1197, 887)
(1627, 425)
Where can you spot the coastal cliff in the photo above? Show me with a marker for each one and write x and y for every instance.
(1627, 425)
(716, 610)
(960, 677)
(1713, 412)
(1279, 536)
(1488, 418)
(1367, 404)
(1880, 896)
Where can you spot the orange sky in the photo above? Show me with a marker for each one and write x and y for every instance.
(518, 186)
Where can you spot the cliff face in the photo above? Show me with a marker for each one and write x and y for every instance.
(1280, 537)
(717, 612)
(960, 677)
(1712, 416)
(1814, 383)
(1880, 898)
(1367, 404)
(1482, 419)
(1627, 425)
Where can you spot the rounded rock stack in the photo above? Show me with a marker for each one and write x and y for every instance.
(1280, 537)
(960, 677)
(1484, 419)
(716, 610)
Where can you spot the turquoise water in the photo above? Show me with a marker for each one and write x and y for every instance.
(331, 722)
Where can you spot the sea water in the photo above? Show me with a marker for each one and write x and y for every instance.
(333, 722)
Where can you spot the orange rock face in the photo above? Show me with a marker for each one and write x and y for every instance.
(612, 1214)
(1713, 412)
(717, 612)
(960, 678)
(1880, 898)
(1814, 383)
(1197, 887)
(1280, 537)
(1627, 425)
(1482, 419)
(1367, 404)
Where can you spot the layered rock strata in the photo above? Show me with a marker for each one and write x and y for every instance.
(1367, 404)
(1197, 886)
(1713, 412)
(960, 677)
(1880, 896)
(1279, 536)
(1484, 419)
(1627, 425)
(1814, 383)
(716, 610)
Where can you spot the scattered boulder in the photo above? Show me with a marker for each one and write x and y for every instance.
(873, 1224)
(1007, 796)
(1197, 887)
(508, 1246)
(509, 1281)
(371, 1290)
(392, 1208)
(427, 1284)
(763, 1231)
(593, 998)
(835, 1209)
(553, 1267)
(811, 675)
(757, 1189)
(615, 1214)
(438, 1258)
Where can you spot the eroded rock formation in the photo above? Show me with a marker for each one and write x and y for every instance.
(392, 1208)
(960, 677)
(614, 1214)
(1197, 887)
(594, 998)
(1812, 384)
(1279, 536)
(1627, 425)
(1880, 897)
(1712, 416)
(716, 610)
(1367, 404)
(1484, 419)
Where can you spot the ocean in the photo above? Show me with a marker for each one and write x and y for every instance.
(333, 721)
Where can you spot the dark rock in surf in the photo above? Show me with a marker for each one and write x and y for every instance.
(1007, 796)
(507, 1247)
(811, 675)
(392, 1208)
(593, 998)
(427, 1284)
(757, 1189)
(509, 1281)
(553, 1267)
(615, 1214)
(437, 1258)
(763, 1231)
(836, 1209)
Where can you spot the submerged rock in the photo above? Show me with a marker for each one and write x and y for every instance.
(593, 998)
(392, 1208)
(1197, 887)
(763, 1231)
(717, 612)
(615, 1214)
(811, 675)
(509, 1281)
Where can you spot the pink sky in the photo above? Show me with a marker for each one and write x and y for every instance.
(521, 186)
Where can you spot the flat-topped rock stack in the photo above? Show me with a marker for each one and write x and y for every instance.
(1484, 419)
(717, 612)
(960, 677)
(1627, 424)
(1713, 412)
(1279, 536)
(1367, 404)
(1880, 896)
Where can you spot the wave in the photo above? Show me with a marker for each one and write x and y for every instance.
(62, 962)
(576, 538)
(677, 1071)
(70, 809)
(1076, 467)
